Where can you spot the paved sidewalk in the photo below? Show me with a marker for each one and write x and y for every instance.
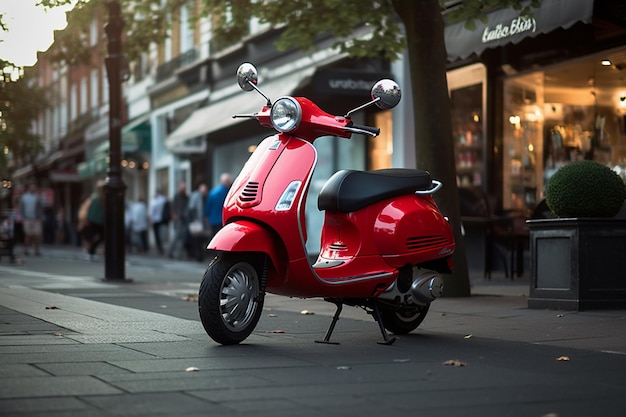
(62, 355)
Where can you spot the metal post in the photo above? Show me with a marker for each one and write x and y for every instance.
(114, 188)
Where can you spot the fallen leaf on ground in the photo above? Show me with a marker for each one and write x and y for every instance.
(272, 315)
(190, 297)
(307, 312)
(469, 336)
(278, 331)
(58, 334)
(563, 358)
(192, 369)
(454, 362)
(52, 308)
(560, 315)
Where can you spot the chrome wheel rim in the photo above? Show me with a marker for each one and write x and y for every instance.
(239, 296)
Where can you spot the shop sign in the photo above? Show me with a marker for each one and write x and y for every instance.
(346, 82)
(506, 25)
(516, 26)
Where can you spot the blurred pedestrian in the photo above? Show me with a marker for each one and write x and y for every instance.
(198, 226)
(159, 216)
(95, 220)
(83, 225)
(181, 221)
(139, 224)
(31, 210)
(215, 203)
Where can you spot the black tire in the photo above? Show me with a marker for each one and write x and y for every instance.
(404, 320)
(230, 300)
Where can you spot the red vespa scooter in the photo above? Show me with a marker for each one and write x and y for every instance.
(384, 243)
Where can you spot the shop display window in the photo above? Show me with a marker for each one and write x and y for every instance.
(523, 144)
(467, 98)
(570, 112)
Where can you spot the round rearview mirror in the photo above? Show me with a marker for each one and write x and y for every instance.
(388, 94)
(246, 74)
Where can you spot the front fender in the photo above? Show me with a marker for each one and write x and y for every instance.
(246, 236)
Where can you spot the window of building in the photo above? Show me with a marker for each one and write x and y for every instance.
(186, 33)
(83, 95)
(73, 102)
(560, 114)
(94, 89)
(94, 32)
(467, 89)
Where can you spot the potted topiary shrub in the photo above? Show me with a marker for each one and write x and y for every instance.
(578, 258)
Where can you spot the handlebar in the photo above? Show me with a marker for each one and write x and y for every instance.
(244, 116)
(363, 130)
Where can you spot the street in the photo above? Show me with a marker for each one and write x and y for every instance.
(74, 345)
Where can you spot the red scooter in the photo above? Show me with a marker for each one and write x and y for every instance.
(384, 243)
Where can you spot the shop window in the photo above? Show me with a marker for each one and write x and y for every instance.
(523, 127)
(570, 112)
(467, 98)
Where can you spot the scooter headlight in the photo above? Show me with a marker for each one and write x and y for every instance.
(286, 114)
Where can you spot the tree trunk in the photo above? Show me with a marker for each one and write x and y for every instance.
(432, 117)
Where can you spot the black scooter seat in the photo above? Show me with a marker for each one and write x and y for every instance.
(347, 191)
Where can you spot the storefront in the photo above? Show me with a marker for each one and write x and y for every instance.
(530, 94)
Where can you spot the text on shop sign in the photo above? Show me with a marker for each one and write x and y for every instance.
(518, 25)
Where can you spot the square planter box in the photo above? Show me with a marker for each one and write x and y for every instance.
(577, 264)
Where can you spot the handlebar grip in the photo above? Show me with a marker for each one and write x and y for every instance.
(374, 130)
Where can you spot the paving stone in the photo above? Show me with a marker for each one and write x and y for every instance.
(181, 381)
(147, 404)
(72, 356)
(81, 368)
(20, 387)
(45, 404)
(36, 339)
(20, 369)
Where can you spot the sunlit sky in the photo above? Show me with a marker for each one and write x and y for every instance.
(31, 29)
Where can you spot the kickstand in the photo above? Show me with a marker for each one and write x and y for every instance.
(326, 340)
(376, 313)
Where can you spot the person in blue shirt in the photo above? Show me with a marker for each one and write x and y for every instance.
(215, 203)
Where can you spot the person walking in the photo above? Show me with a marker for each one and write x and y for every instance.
(198, 235)
(95, 220)
(139, 224)
(31, 210)
(181, 221)
(215, 203)
(159, 218)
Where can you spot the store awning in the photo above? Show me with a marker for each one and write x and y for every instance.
(22, 172)
(97, 130)
(217, 115)
(507, 26)
(135, 137)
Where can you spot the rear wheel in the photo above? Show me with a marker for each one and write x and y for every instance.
(230, 299)
(403, 320)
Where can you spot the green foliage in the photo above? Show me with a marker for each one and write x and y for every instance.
(22, 101)
(585, 189)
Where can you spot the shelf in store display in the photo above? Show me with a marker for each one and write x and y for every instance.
(477, 166)
(474, 146)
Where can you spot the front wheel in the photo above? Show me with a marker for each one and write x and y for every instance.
(230, 300)
(403, 320)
